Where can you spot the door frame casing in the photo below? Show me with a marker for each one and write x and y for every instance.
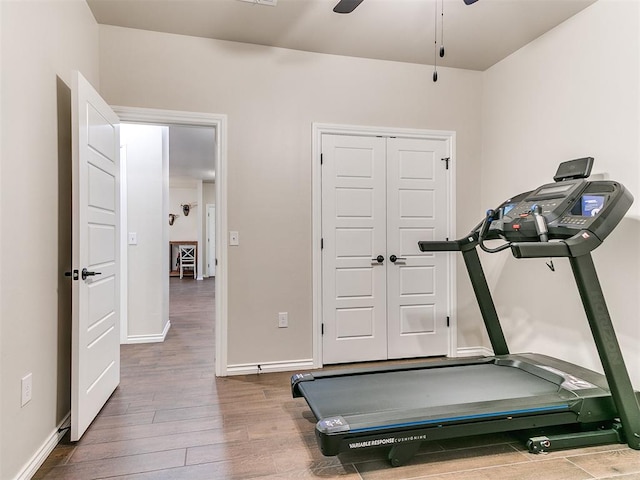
(210, 261)
(319, 129)
(220, 124)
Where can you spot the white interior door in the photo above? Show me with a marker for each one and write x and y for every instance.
(353, 225)
(417, 282)
(380, 196)
(211, 240)
(95, 365)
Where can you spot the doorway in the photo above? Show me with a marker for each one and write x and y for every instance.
(218, 125)
(376, 193)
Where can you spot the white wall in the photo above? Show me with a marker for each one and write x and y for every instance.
(147, 216)
(271, 97)
(42, 42)
(184, 228)
(572, 93)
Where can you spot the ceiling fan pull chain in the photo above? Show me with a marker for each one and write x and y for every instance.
(435, 42)
(442, 29)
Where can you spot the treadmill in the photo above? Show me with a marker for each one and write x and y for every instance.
(401, 406)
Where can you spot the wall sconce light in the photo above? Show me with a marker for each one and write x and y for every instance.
(172, 218)
(186, 208)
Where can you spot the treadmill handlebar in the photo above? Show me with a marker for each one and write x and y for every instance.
(541, 223)
(540, 250)
(467, 243)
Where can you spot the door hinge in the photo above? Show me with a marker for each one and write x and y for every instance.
(321, 243)
(216, 262)
(321, 158)
(446, 161)
(322, 329)
(448, 321)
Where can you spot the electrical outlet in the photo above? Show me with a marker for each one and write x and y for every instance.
(283, 320)
(27, 387)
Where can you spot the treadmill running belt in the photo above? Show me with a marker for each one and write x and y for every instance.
(425, 388)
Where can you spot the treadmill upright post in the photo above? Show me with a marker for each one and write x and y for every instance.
(606, 342)
(468, 247)
(485, 301)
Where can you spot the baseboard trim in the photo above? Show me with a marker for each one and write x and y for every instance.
(32, 466)
(307, 364)
(131, 339)
(269, 367)
(474, 352)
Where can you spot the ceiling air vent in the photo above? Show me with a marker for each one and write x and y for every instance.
(271, 3)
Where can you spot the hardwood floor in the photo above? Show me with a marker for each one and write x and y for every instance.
(171, 418)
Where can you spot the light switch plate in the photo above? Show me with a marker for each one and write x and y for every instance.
(27, 389)
(234, 238)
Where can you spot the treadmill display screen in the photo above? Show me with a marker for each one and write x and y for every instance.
(589, 205)
(554, 189)
(507, 208)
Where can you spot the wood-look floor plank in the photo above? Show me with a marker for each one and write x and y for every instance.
(554, 469)
(130, 432)
(151, 462)
(185, 413)
(609, 463)
(137, 446)
(448, 461)
(208, 471)
(125, 420)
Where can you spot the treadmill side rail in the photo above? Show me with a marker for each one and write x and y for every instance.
(332, 425)
(296, 379)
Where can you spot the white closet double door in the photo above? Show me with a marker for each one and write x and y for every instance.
(382, 297)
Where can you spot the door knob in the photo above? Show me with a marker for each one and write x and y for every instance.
(378, 259)
(86, 273)
(394, 259)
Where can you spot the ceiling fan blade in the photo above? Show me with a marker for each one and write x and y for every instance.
(347, 6)
(469, 2)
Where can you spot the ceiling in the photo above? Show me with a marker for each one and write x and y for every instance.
(475, 36)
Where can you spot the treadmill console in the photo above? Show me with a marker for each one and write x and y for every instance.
(572, 209)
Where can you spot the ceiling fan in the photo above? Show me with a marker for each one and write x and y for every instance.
(348, 6)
